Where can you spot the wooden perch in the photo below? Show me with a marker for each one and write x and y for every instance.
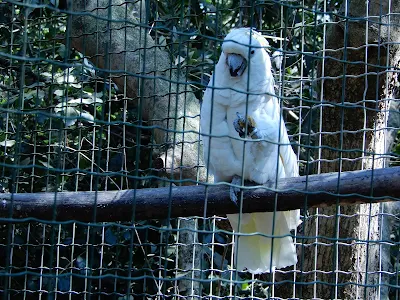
(354, 187)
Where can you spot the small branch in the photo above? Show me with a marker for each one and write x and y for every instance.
(354, 187)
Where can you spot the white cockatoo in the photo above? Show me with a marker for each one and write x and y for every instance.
(242, 82)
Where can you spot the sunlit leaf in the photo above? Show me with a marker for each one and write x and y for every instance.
(179, 60)
(110, 238)
(46, 164)
(63, 284)
(7, 143)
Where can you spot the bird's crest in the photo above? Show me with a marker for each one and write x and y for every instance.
(261, 38)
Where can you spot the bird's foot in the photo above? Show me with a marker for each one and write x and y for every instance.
(233, 190)
(240, 124)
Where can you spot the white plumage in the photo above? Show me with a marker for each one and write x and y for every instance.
(243, 74)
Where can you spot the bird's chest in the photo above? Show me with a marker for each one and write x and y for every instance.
(229, 154)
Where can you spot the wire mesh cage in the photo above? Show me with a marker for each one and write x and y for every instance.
(105, 192)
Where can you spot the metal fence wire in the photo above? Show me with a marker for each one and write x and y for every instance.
(105, 193)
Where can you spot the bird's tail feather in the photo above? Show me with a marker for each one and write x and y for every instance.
(254, 251)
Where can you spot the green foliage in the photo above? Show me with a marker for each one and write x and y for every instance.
(50, 98)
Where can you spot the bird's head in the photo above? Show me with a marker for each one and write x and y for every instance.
(244, 47)
(243, 71)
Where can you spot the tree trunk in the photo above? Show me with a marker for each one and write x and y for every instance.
(343, 237)
(128, 47)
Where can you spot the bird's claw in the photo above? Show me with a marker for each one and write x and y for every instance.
(233, 190)
(240, 124)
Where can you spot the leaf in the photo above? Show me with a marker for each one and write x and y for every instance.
(66, 111)
(54, 3)
(25, 161)
(220, 262)
(89, 67)
(18, 240)
(245, 286)
(207, 239)
(46, 164)
(35, 84)
(175, 35)
(29, 95)
(66, 79)
(69, 106)
(80, 263)
(69, 122)
(33, 283)
(219, 238)
(10, 100)
(63, 284)
(126, 298)
(47, 74)
(127, 235)
(181, 274)
(179, 60)
(162, 41)
(110, 237)
(59, 93)
(87, 116)
(86, 101)
(171, 250)
(67, 241)
(89, 93)
(7, 143)
(71, 113)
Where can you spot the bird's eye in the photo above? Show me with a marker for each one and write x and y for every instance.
(252, 51)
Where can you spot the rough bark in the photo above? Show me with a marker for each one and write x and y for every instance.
(189, 263)
(389, 224)
(114, 36)
(347, 262)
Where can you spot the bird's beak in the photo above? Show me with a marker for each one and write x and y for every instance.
(236, 63)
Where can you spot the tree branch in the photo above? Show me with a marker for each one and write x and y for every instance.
(369, 186)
